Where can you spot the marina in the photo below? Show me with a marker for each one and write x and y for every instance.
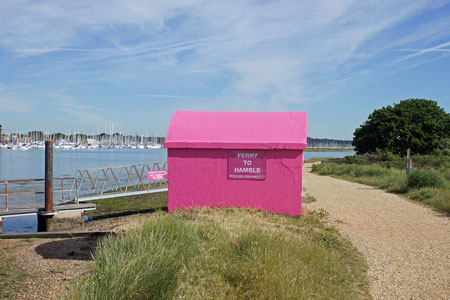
(36, 140)
(27, 143)
(30, 164)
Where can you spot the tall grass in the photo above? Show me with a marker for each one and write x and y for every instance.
(393, 180)
(225, 254)
(429, 182)
(425, 178)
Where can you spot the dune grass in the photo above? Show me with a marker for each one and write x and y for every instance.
(429, 183)
(226, 254)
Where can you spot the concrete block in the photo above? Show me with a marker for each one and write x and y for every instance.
(60, 221)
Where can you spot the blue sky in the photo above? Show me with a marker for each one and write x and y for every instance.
(80, 65)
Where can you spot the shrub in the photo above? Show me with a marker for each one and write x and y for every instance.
(384, 155)
(431, 161)
(323, 168)
(352, 159)
(425, 178)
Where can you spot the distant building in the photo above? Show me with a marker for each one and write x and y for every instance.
(1, 139)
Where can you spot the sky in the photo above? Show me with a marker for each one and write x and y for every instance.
(83, 66)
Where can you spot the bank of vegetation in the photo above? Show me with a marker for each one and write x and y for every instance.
(429, 182)
(128, 205)
(226, 254)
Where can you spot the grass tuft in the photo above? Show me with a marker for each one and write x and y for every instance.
(129, 204)
(226, 254)
(307, 198)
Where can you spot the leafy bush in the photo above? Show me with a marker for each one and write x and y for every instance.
(384, 155)
(353, 159)
(425, 178)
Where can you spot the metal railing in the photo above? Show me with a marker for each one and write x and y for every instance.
(29, 192)
(117, 179)
(109, 181)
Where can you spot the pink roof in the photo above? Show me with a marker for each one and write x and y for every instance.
(237, 130)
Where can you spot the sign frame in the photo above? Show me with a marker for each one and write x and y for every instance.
(246, 165)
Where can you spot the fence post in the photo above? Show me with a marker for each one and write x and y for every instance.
(76, 185)
(62, 189)
(48, 176)
(408, 164)
(6, 196)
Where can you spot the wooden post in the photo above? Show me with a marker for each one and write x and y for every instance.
(48, 176)
(408, 164)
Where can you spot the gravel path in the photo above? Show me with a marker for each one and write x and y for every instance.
(406, 245)
(43, 267)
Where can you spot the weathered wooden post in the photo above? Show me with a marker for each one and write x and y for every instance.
(50, 219)
(45, 215)
(48, 176)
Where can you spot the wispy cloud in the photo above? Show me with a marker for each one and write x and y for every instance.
(172, 96)
(9, 104)
(251, 54)
(66, 102)
(437, 48)
(422, 51)
(86, 115)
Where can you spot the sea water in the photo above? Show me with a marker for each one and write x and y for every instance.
(19, 164)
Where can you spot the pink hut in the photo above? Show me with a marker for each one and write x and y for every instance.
(244, 159)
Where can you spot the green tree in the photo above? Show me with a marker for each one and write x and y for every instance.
(418, 124)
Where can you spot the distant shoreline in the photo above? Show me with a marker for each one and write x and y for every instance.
(329, 149)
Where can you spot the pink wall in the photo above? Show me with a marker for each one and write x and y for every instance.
(198, 177)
